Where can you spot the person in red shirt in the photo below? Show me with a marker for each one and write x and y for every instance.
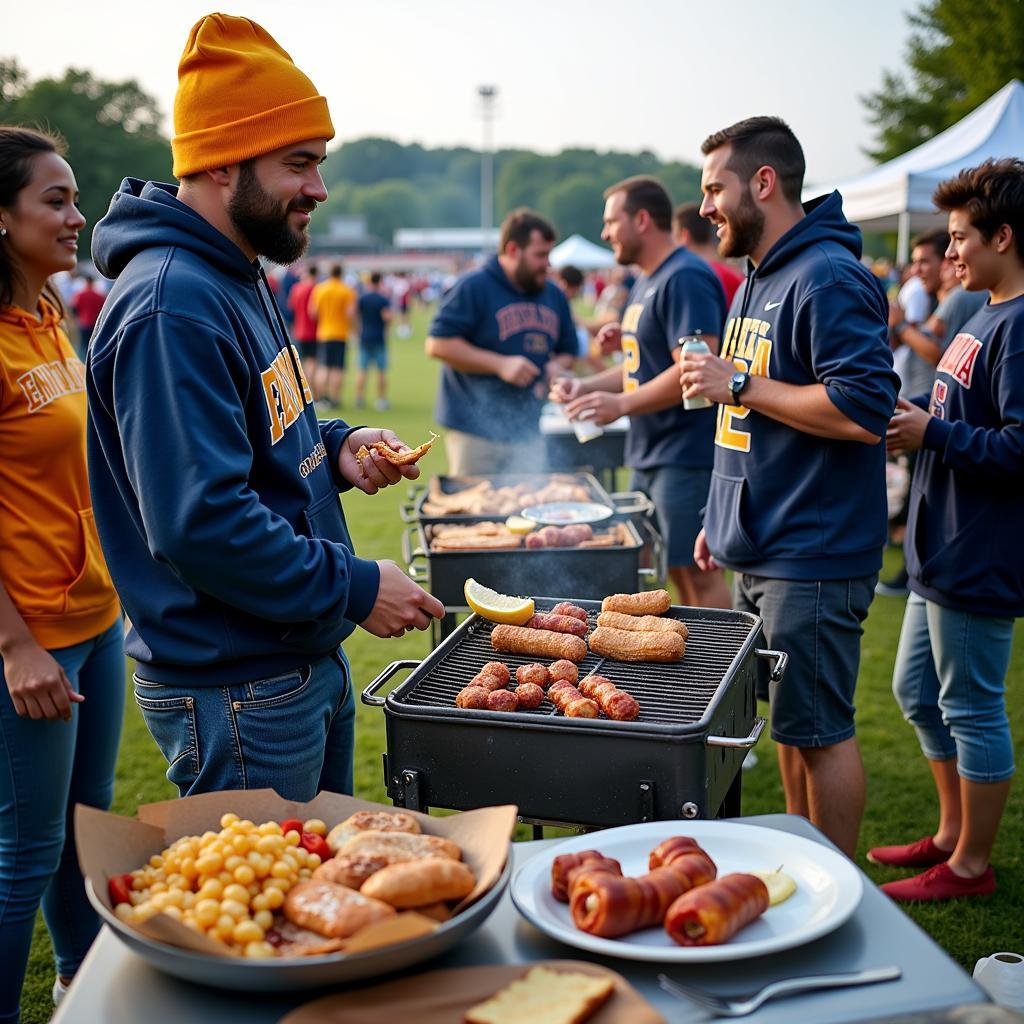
(87, 303)
(304, 325)
(693, 232)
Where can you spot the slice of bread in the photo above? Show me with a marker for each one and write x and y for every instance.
(544, 996)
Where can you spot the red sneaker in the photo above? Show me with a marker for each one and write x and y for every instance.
(922, 854)
(941, 883)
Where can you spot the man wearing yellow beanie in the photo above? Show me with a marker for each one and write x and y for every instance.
(215, 488)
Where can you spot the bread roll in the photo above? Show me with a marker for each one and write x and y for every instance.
(332, 910)
(420, 882)
(414, 847)
(370, 821)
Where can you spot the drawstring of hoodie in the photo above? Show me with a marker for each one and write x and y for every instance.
(48, 322)
(278, 324)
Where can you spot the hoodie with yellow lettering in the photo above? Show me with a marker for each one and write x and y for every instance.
(50, 559)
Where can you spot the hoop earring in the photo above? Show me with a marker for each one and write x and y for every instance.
(3, 232)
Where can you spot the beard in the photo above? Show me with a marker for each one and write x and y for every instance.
(743, 230)
(263, 220)
(529, 281)
(629, 252)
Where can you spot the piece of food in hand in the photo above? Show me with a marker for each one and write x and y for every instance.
(626, 645)
(558, 624)
(529, 695)
(332, 910)
(410, 846)
(371, 821)
(534, 673)
(642, 623)
(499, 669)
(473, 697)
(538, 643)
(502, 700)
(563, 670)
(566, 863)
(420, 882)
(403, 457)
(715, 912)
(615, 703)
(544, 996)
(497, 607)
(351, 869)
(780, 886)
(568, 608)
(647, 602)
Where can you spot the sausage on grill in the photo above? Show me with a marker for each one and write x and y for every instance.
(538, 643)
(567, 608)
(625, 645)
(558, 624)
(642, 623)
(615, 703)
(647, 602)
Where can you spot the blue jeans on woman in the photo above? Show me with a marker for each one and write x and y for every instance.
(46, 767)
(294, 732)
(949, 682)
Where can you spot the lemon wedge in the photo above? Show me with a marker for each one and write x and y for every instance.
(520, 525)
(780, 886)
(513, 611)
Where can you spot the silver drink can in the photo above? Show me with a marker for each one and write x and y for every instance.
(695, 343)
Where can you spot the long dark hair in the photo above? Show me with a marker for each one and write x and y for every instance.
(18, 149)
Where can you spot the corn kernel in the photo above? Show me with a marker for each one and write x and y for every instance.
(206, 912)
(258, 902)
(212, 888)
(234, 861)
(233, 908)
(259, 950)
(275, 897)
(247, 931)
(156, 860)
(209, 863)
(316, 826)
(244, 874)
(225, 926)
(292, 838)
(172, 911)
(264, 918)
(313, 860)
(236, 892)
(241, 844)
(124, 912)
(281, 869)
(270, 828)
(228, 819)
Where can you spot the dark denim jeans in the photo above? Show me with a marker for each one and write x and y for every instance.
(46, 767)
(293, 733)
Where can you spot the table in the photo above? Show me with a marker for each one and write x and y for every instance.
(116, 987)
(564, 453)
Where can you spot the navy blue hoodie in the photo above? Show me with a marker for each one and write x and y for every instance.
(786, 504)
(967, 494)
(215, 488)
(485, 308)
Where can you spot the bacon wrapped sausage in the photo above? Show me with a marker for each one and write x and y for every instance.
(647, 602)
(567, 608)
(538, 643)
(567, 863)
(534, 673)
(497, 668)
(714, 913)
(488, 681)
(473, 697)
(672, 849)
(571, 702)
(502, 700)
(615, 703)
(529, 695)
(558, 624)
(563, 670)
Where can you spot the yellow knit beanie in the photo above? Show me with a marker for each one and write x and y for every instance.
(240, 96)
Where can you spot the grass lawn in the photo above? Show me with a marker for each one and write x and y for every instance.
(900, 796)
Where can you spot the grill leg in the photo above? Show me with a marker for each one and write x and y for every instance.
(440, 631)
(538, 831)
(731, 804)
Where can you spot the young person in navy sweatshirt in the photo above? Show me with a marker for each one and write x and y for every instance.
(966, 568)
(797, 501)
(215, 487)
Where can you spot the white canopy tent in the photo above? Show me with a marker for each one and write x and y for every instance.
(577, 252)
(898, 195)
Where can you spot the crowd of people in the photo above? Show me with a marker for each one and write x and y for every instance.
(175, 497)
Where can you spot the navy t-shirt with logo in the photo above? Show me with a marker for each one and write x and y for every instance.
(682, 296)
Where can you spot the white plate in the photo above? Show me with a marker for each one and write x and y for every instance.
(567, 513)
(828, 888)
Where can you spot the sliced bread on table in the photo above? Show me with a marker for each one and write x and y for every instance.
(544, 996)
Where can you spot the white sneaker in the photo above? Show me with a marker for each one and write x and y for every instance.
(60, 990)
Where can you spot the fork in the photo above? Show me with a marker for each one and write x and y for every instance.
(721, 1007)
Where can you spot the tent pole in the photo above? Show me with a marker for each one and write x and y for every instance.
(903, 238)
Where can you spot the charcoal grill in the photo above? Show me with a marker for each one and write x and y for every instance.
(680, 759)
(588, 572)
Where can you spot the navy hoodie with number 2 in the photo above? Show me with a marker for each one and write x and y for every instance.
(783, 503)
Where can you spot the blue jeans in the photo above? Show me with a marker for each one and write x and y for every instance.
(46, 767)
(949, 682)
(294, 733)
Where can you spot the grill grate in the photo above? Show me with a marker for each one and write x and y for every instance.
(668, 694)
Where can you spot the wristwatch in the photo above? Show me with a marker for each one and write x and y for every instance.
(737, 385)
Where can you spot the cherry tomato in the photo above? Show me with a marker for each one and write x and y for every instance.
(120, 889)
(312, 843)
(291, 825)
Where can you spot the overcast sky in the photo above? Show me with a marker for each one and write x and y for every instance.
(602, 74)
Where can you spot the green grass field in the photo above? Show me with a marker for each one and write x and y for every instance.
(900, 796)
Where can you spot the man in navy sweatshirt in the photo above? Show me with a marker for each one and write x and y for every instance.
(215, 488)
(797, 506)
(965, 565)
(503, 332)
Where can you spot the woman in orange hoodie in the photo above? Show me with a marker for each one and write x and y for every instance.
(61, 661)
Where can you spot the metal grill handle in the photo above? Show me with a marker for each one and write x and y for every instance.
(629, 503)
(732, 741)
(659, 570)
(410, 554)
(393, 669)
(408, 510)
(779, 659)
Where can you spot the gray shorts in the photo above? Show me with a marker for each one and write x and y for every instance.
(679, 494)
(818, 623)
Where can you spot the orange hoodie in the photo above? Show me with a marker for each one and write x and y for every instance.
(50, 559)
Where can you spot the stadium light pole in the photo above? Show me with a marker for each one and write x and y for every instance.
(488, 94)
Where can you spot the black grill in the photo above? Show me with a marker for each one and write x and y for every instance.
(680, 758)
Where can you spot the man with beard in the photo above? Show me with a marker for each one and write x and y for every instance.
(215, 488)
(797, 510)
(669, 448)
(504, 332)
